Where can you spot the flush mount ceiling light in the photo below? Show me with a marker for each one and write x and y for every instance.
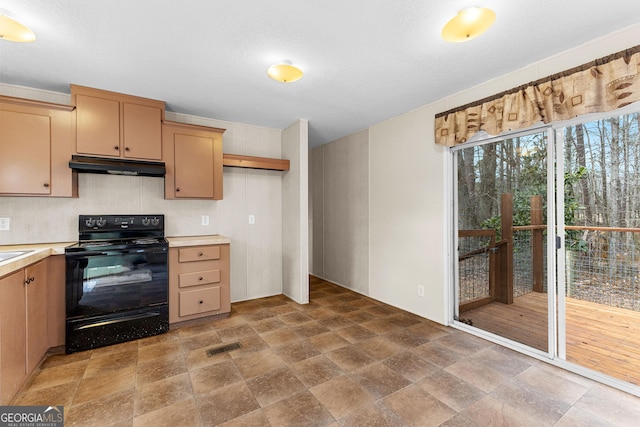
(12, 30)
(284, 72)
(468, 24)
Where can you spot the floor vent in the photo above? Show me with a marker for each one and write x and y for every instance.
(223, 349)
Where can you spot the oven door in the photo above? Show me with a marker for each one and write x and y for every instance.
(101, 282)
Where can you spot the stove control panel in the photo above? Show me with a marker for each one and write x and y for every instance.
(150, 221)
(89, 223)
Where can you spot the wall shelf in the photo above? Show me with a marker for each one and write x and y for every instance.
(238, 161)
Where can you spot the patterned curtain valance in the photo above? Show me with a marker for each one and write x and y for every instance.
(602, 85)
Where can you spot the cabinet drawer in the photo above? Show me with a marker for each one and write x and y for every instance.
(198, 278)
(199, 301)
(198, 253)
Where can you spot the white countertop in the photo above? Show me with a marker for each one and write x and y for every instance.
(214, 239)
(39, 251)
(35, 253)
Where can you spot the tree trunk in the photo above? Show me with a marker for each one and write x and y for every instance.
(616, 194)
(487, 188)
(584, 184)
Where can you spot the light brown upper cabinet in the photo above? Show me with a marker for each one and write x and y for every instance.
(36, 143)
(117, 125)
(193, 157)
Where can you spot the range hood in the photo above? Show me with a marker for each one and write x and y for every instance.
(103, 165)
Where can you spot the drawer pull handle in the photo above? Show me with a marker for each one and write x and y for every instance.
(200, 278)
(200, 254)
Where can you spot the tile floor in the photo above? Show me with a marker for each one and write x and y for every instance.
(342, 360)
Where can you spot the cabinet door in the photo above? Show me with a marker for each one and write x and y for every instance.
(97, 126)
(193, 166)
(12, 335)
(56, 305)
(36, 295)
(142, 131)
(199, 301)
(25, 153)
(193, 157)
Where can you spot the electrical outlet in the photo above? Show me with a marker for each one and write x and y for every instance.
(420, 290)
(5, 224)
(205, 219)
(252, 219)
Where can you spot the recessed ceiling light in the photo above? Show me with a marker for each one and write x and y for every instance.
(468, 24)
(14, 31)
(284, 72)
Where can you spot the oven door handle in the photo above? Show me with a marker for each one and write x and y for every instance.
(118, 320)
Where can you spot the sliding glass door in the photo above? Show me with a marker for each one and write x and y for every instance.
(548, 242)
(600, 305)
(501, 200)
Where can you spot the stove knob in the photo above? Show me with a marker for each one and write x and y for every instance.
(146, 221)
(155, 221)
(90, 222)
(101, 222)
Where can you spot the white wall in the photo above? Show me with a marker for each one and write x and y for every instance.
(407, 215)
(409, 205)
(256, 250)
(316, 208)
(295, 218)
(340, 211)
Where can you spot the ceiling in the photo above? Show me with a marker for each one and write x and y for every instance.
(364, 60)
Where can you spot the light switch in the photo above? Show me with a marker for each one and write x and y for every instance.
(252, 219)
(5, 224)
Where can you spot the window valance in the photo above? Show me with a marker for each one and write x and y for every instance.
(602, 85)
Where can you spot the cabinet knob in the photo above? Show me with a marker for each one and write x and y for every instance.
(201, 302)
(177, 189)
(116, 148)
(200, 278)
(46, 185)
(126, 149)
(200, 254)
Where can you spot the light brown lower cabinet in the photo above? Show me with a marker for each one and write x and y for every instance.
(36, 278)
(13, 335)
(56, 304)
(198, 282)
(31, 321)
(23, 326)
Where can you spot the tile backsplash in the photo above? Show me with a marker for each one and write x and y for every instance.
(43, 219)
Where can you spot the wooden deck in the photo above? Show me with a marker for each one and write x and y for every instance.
(602, 338)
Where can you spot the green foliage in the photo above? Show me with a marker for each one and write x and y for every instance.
(572, 237)
(533, 180)
(493, 222)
